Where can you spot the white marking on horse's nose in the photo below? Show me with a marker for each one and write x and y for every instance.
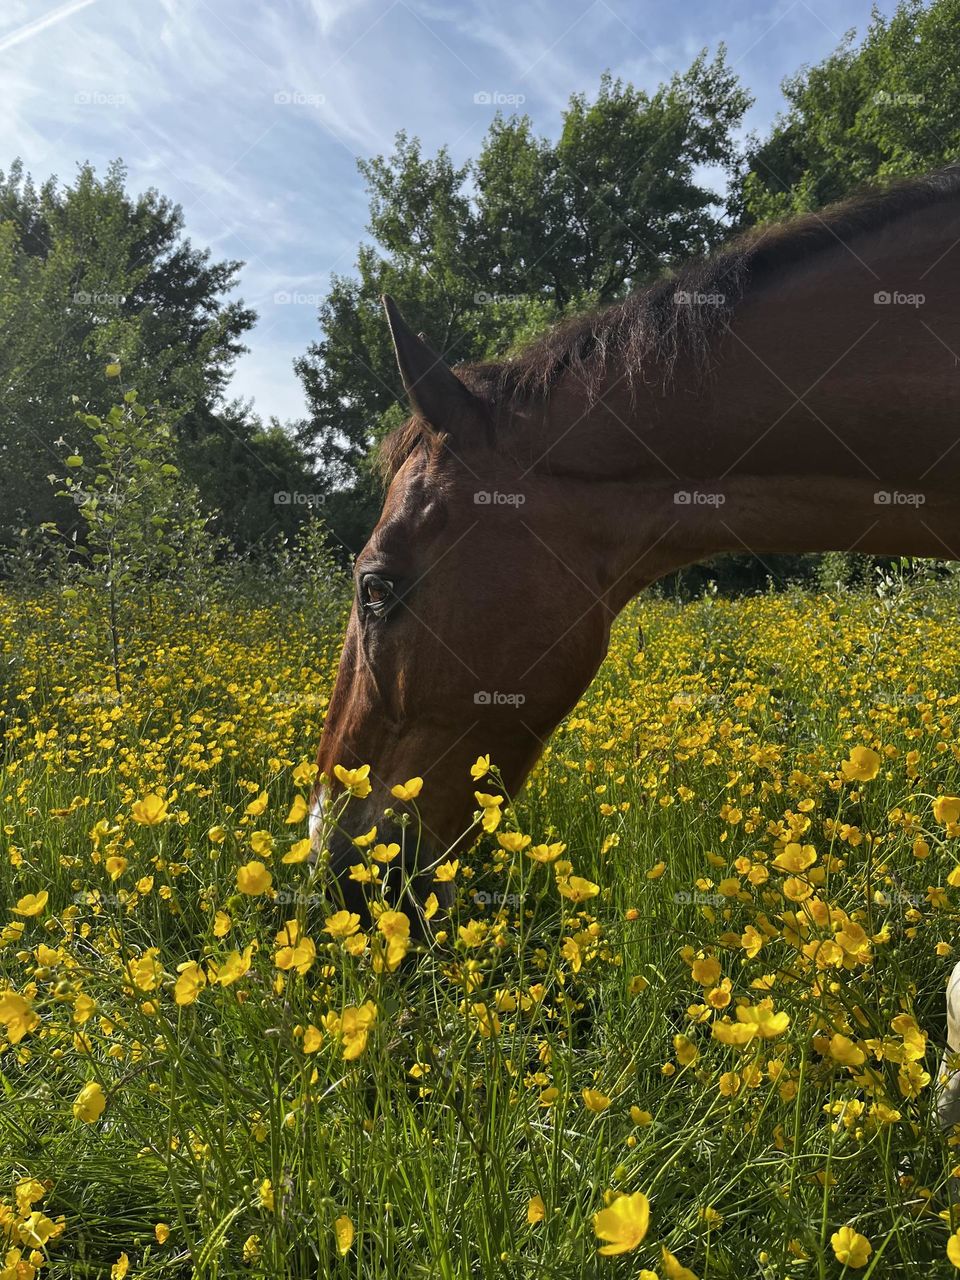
(316, 812)
(949, 1099)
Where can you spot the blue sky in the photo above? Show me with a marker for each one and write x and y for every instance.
(252, 114)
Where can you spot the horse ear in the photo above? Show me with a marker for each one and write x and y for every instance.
(435, 392)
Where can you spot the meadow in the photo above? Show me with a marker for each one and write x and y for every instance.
(685, 1019)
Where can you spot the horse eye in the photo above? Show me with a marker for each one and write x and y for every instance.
(376, 593)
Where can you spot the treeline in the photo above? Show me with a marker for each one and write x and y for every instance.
(482, 256)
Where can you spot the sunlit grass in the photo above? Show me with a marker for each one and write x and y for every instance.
(468, 1110)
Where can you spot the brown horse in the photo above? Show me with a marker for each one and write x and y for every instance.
(799, 392)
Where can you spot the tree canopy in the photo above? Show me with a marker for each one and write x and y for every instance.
(90, 274)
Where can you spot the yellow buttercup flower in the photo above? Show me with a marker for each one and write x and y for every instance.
(89, 1103)
(298, 810)
(706, 971)
(797, 890)
(354, 781)
(623, 1224)
(395, 928)
(17, 1016)
(354, 1026)
(31, 904)
(673, 1268)
(843, 1050)
(235, 966)
(536, 1210)
(576, 888)
(261, 842)
(480, 768)
(863, 765)
(305, 774)
(298, 852)
(344, 1232)
(384, 852)
(544, 852)
(342, 924)
(850, 1248)
(150, 811)
(795, 858)
(513, 841)
(763, 1020)
(190, 983)
(685, 1050)
(145, 972)
(253, 879)
(294, 950)
(407, 790)
(946, 809)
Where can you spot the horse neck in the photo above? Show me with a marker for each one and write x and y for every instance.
(829, 421)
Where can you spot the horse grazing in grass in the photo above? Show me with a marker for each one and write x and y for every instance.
(798, 392)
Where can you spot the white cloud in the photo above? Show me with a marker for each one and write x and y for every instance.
(30, 29)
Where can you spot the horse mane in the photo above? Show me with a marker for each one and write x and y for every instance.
(648, 332)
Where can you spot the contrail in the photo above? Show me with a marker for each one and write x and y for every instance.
(40, 24)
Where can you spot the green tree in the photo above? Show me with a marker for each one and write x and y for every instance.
(139, 521)
(889, 106)
(249, 469)
(90, 274)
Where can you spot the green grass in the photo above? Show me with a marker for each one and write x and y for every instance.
(699, 753)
